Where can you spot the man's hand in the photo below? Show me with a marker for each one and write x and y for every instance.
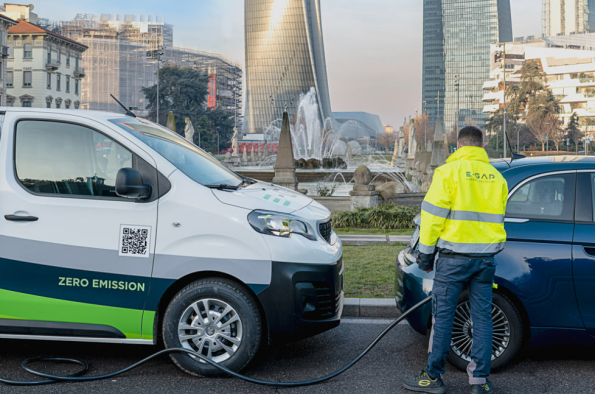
(425, 262)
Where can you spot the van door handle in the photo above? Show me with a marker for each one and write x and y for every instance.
(589, 251)
(16, 218)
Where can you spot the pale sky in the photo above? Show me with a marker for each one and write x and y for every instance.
(373, 47)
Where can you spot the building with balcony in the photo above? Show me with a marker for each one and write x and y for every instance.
(284, 58)
(44, 68)
(5, 24)
(570, 75)
(566, 17)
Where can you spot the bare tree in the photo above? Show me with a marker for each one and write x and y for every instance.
(542, 116)
(387, 140)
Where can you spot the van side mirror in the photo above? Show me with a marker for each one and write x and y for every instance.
(129, 184)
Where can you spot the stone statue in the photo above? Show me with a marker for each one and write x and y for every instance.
(234, 142)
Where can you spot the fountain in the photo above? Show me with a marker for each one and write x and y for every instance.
(325, 160)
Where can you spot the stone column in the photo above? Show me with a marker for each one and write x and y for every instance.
(285, 165)
(363, 195)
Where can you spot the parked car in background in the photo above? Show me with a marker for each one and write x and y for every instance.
(545, 280)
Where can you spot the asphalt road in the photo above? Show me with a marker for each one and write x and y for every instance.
(402, 352)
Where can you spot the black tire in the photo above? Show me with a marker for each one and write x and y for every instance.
(516, 333)
(236, 296)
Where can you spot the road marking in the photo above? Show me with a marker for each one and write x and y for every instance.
(384, 322)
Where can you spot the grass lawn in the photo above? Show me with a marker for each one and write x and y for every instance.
(370, 270)
(372, 231)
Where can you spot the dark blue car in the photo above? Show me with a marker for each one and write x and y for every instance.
(545, 279)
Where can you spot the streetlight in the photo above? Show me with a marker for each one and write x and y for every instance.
(159, 52)
(425, 128)
(502, 56)
(457, 78)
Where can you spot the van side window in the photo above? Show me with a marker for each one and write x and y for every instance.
(67, 159)
(545, 198)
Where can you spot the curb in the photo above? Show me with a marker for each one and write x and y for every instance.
(371, 307)
(366, 240)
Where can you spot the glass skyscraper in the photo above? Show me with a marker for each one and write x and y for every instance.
(284, 58)
(468, 27)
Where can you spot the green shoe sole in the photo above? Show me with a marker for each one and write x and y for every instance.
(435, 390)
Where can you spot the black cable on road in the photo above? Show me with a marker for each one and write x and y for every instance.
(77, 377)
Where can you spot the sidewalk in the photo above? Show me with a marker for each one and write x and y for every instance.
(363, 240)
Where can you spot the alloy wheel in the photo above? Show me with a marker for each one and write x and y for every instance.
(211, 328)
(462, 334)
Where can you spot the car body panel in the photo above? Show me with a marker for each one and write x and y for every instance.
(536, 267)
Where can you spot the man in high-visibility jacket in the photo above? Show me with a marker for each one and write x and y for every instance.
(462, 223)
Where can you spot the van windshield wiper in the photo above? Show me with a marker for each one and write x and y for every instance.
(223, 186)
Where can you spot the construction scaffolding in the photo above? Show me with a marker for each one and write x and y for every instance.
(122, 59)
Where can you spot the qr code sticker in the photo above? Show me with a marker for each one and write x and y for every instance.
(134, 241)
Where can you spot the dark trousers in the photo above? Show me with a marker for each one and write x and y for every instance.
(452, 275)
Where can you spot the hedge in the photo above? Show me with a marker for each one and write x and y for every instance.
(384, 217)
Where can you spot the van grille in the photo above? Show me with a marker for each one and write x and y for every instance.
(327, 302)
(326, 229)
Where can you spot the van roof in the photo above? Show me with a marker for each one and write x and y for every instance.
(97, 115)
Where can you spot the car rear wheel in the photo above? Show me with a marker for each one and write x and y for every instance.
(217, 318)
(507, 338)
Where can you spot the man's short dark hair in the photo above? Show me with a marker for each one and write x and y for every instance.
(471, 136)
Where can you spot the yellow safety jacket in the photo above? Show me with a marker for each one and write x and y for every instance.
(463, 212)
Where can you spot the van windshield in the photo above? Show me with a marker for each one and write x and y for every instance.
(188, 158)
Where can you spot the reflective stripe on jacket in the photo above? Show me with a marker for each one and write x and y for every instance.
(463, 211)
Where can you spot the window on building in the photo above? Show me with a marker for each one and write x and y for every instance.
(76, 62)
(11, 51)
(9, 79)
(58, 104)
(64, 159)
(49, 80)
(58, 81)
(27, 78)
(1, 38)
(26, 103)
(67, 104)
(49, 58)
(68, 84)
(76, 86)
(27, 53)
(48, 104)
(68, 58)
(59, 56)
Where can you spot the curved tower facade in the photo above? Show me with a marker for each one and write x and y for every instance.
(284, 58)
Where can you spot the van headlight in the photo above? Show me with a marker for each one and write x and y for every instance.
(280, 224)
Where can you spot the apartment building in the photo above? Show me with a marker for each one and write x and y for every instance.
(44, 68)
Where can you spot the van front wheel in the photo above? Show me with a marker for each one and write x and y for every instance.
(216, 318)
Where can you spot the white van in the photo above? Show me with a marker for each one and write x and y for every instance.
(117, 230)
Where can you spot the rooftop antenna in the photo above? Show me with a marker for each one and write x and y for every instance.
(128, 112)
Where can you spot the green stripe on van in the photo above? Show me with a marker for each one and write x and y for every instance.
(20, 306)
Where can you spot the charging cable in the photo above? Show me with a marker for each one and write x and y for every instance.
(78, 376)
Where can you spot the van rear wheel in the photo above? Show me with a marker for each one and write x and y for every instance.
(217, 318)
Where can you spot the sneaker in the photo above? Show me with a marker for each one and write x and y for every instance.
(486, 388)
(424, 384)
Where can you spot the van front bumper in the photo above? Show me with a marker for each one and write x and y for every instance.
(303, 299)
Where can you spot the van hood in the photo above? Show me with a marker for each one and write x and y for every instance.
(264, 196)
